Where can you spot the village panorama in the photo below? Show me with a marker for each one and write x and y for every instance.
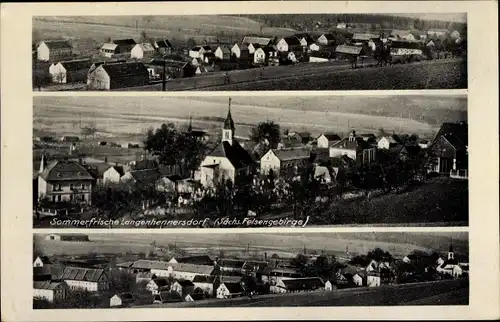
(188, 162)
(250, 270)
(250, 52)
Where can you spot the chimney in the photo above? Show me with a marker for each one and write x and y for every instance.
(105, 159)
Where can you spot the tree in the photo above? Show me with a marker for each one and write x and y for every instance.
(122, 281)
(266, 131)
(191, 43)
(88, 130)
(300, 260)
(378, 255)
(144, 37)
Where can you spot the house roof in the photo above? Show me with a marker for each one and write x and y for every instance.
(44, 259)
(146, 47)
(345, 143)
(306, 283)
(321, 54)
(58, 44)
(79, 64)
(329, 36)
(46, 285)
(160, 282)
(321, 171)
(231, 263)
(177, 58)
(126, 296)
(149, 264)
(204, 279)
(332, 136)
(363, 36)
(225, 49)
(293, 41)
(292, 153)
(65, 170)
(81, 274)
(197, 260)
(145, 176)
(234, 288)
(121, 70)
(256, 40)
(235, 153)
(193, 268)
(163, 44)
(168, 296)
(347, 49)
(109, 46)
(97, 170)
(206, 47)
(455, 133)
(185, 283)
(124, 42)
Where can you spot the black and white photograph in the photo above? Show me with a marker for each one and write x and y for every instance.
(249, 161)
(250, 269)
(265, 52)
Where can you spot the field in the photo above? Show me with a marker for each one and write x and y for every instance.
(438, 74)
(124, 118)
(398, 244)
(452, 292)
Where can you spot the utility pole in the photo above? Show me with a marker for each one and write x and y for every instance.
(164, 77)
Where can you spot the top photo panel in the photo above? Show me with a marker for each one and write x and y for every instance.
(264, 52)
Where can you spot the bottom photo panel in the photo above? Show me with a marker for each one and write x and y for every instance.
(163, 269)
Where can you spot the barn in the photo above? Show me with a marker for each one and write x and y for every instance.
(67, 237)
(73, 71)
(53, 50)
(120, 75)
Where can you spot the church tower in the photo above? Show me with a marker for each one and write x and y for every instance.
(228, 129)
(450, 253)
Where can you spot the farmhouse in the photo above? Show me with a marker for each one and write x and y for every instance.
(229, 290)
(67, 237)
(326, 39)
(205, 283)
(450, 147)
(115, 47)
(121, 299)
(196, 52)
(53, 50)
(223, 53)
(261, 41)
(163, 47)
(373, 279)
(320, 56)
(196, 260)
(305, 39)
(167, 297)
(90, 279)
(228, 160)
(157, 284)
(64, 181)
(326, 139)
(345, 51)
(112, 174)
(174, 69)
(289, 44)
(142, 51)
(262, 55)
(388, 141)
(293, 285)
(284, 161)
(240, 51)
(118, 75)
(50, 290)
(70, 71)
(189, 271)
(183, 287)
(355, 148)
(41, 261)
(359, 279)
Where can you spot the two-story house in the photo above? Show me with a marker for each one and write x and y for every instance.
(450, 149)
(64, 181)
(354, 147)
(284, 161)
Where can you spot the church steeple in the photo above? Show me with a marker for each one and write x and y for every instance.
(228, 129)
(450, 253)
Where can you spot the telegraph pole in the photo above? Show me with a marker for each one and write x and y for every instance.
(164, 77)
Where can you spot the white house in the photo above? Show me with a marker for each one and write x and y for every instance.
(53, 50)
(280, 160)
(155, 286)
(314, 47)
(341, 25)
(69, 71)
(49, 290)
(358, 279)
(291, 57)
(259, 56)
(355, 148)
(223, 53)
(205, 283)
(373, 280)
(40, 261)
(329, 286)
(323, 174)
(228, 159)
(228, 290)
(252, 48)
(196, 52)
(325, 39)
(90, 279)
(113, 175)
(326, 139)
(387, 141)
(121, 299)
(288, 44)
(144, 50)
(240, 51)
(183, 287)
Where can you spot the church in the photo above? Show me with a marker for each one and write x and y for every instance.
(228, 160)
(449, 266)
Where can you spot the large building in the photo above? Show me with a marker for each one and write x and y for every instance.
(450, 149)
(90, 279)
(228, 160)
(284, 161)
(53, 50)
(64, 181)
(118, 75)
(354, 147)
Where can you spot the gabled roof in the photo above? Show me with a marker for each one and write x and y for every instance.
(306, 283)
(234, 288)
(150, 264)
(109, 46)
(332, 136)
(224, 49)
(97, 170)
(81, 274)
(204, 279)
(197, 260)
(231, 263)
(330, 37)
(192, 268)
(185, 283)
(235, 153)
(46, 285)
(347, 49)
(163, 44)
(124, 42)
(345, 143)
(145, 176)
(125, 70)
(58, 44)
(455, 133)
(146, 47)
(309, 39)
(65, 170)
(292, 154)
(73, 65)
(45, 260)
(160, 282)
(256, 40)
(292, 41)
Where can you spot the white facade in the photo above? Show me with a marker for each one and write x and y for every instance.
(328, 286)
(259, 56)
(373, 281)
(57, 73)
(337, 152)
(314, 47)
(322, 40)
(322, 142)
(384, 143)
(282, 45)
(87, 285)
(38, 262)
(251, 48)
(236, 51)
(268, 162)
(405, 51)
(358, 280)
(313, 59)
(139, 51)
(178, 275)
(111, 176)
(115, 301)
(43, 52)
(224, 169)
(65, 190)
(219, 53)
(59, 293)
(162, 272)
(196, 53)
(291, 57)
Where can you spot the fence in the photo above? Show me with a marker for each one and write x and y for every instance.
(459, 174)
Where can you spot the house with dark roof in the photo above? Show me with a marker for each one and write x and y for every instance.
(388, 141)
(289, 44)
(163, 47)
(326, 139)
(205, 283)
(284, 162)
(355, 148)
(229, 290)
(112, 174)
(118, 75)
(142, 51)
(326, 39)
(54, 50)
(79, 278)
(450, 149)
(142, 177)
(450, 265)
(64, 181)
(156, 285)
(115, 47)
(41, 261)
(50, 290)
(228, 160)
(305, 39)
(240, 51)
(197, 260)
(293, 285)
(183, 287)
(175, 66)
(167, 297)
(121, 299)
(72, 71)
(223, 53)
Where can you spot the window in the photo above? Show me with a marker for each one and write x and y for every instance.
(71, 187)
(59, 198)
(83, 186)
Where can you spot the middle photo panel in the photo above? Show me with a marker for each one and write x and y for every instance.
(240, 160)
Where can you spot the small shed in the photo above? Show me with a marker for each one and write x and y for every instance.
(71, 71)
(121, 299)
